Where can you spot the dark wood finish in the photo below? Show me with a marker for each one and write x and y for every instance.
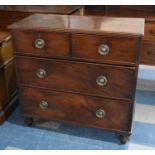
(149, 31)
(75, 108)
(81, 24)
(77, 77)
(148, 8)
(54, 9)
(127, 13)
(130, 11)
(13, 13)
(143, 11)
(125, 53)
(79, 11)
(94, 10)
(56, 44)
(148, 52)
(139, 11)
(66, 87)
(8, 17)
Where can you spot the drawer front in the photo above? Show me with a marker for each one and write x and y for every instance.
(149, 31)
(148, 53)
(105, 49)
(98, 80)
(45, 44)
(93, 111)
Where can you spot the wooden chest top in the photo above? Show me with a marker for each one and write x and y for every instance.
(81, 24)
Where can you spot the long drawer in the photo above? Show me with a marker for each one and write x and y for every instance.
(82, 109)
(86, 78)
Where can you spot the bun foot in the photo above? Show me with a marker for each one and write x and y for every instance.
(28, 121)
(123, 139)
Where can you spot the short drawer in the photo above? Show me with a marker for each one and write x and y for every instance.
(103, 49)
(149, 31)
(148, 53)
(85, 78)
(93, 111)
(44, 44)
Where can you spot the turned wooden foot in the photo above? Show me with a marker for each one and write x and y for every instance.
(28, 121)
(123, 139)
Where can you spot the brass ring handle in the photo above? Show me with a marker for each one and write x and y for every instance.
(43, 105)
(100, 113)
(41, 73)
(39, 43)
(101, 80)
(103, 49)
(152, 31)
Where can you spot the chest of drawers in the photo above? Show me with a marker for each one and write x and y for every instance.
(78, 69)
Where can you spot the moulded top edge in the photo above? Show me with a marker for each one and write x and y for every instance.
(69, 23)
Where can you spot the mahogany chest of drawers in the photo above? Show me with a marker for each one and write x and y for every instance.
(78, 69)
